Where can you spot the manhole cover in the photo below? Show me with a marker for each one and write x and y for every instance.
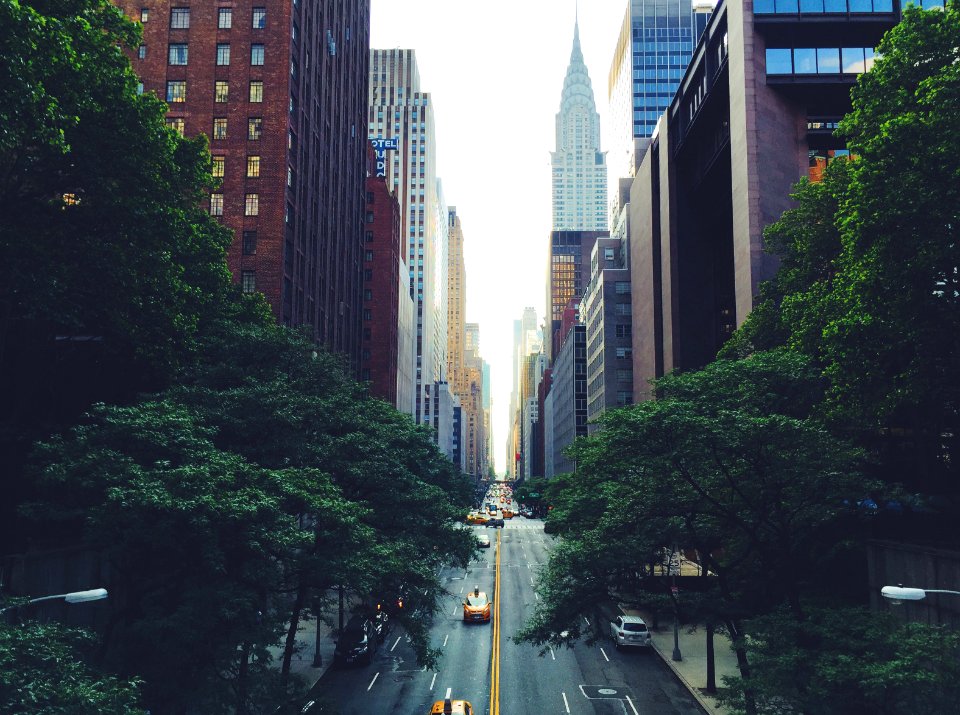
(399, 678)
(605, 692)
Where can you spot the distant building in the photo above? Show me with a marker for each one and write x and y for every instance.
(399, 110)
(569, 395)
(579, 169)
(568, 273)
(606, 311)
(262, 93)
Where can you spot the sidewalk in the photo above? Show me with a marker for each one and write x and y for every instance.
(692, 669)
(302, 662)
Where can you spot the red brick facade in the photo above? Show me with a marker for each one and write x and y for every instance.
(301, 244)
(381, 282)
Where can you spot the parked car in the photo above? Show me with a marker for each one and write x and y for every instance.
(629, 631)
(495, 521)
(357, 643)
(484, 541)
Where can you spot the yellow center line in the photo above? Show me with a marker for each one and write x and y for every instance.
(495, 650)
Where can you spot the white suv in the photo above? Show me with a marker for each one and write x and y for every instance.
(629, 631)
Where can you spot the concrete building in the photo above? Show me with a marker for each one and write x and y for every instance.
(547, 420)
(606, 310)
(456, 305)
(568, 273)
(569, 395)
(400, 111)
(284, 111)
(579, 170)
(527, 339)
(754, 113)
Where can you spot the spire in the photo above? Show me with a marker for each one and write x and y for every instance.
(576, 55)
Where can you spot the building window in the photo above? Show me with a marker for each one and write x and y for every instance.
(142, 52)
(225, 18)
(254, 128)
(256, 55)
(179, 18)
(221, 91)
(622, 287)
(259, 18)
(223, 54)
(249, 243)
(365, 374)
(624, 331)
(217, 166)
(367, 315)
(177, 54)
(139, 87)
(220, 128)
(290, 176)
(368, 256)
(623, 309)
(248, 281)
(368, 294)
(369, 216)
(177, 90)
(253, 167)
(176, 124)
(216, 204)
(144, 14)
(251, 205)
(368, 274)
(256, 90)
(369, 236)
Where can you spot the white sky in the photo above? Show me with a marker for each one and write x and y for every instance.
(495, 71)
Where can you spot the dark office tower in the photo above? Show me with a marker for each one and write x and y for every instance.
(568, 274)
(654, 48)
(756, 112)
(569, 395)
(280, 88)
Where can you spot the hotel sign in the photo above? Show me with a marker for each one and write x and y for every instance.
(380, 147)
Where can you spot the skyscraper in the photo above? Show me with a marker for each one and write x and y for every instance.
(262, 81)
(568, 274)
(579, 167)
(399, 110)
(653, 50)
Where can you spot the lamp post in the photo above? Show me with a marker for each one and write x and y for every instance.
(95, 594)
(898, 594)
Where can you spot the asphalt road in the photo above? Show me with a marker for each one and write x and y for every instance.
(583, 680)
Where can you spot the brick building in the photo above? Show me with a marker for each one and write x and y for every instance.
(383, 270)
(280, 88)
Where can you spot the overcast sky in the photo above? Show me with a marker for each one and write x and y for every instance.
(495, 71)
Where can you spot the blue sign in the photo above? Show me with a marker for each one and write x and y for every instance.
(380, 147)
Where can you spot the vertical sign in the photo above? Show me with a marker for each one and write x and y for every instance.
(380, 147)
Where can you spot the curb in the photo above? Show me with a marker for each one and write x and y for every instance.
(708, 708)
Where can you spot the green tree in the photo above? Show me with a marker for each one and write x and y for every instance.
(848, 661)
(42, 672)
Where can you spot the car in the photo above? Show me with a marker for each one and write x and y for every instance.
(357, 643)
(475, 517)
(476, 606)
(452, 707)
(507, 514)
(495, 522)
(629, 631)
(484, 541)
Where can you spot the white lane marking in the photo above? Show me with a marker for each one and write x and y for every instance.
(461, 588)
(536, 596)
(604, 654)
(447, 696)
(632, 707)
(454, 611)
(433, 680)
(373, 681)
(565, 703)
(395, 644)
(552, 655)
(531, 581)
(445, 640)
(586, 621)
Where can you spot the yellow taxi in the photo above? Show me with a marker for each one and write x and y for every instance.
(507, 513)
(452, 707)
(476, 607)
(476, 518)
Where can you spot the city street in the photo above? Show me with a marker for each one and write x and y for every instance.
(583, 680)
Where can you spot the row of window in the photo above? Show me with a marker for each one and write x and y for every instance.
(219, 166)
(251, 204)
(178, 54)
(792, 7)
(180, 18)
(819, 60)
(177, 91)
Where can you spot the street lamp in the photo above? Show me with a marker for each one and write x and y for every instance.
(898, 594)
(94, 594)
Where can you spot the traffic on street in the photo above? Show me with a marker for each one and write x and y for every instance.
(482, 671)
